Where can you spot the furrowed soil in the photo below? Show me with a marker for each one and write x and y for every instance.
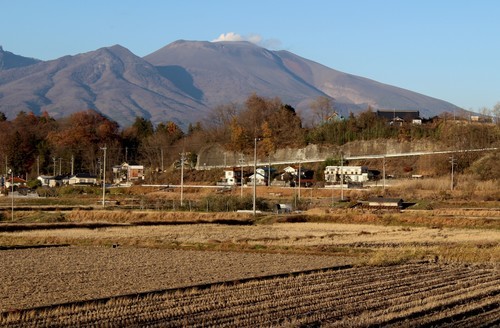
(407, 295)
(46, 276)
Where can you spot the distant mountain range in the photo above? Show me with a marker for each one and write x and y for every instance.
(182, 81)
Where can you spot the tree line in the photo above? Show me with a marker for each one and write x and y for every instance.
(39, 144)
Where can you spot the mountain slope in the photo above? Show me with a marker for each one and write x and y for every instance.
(355, 92)
(231, 71)
(111, 80)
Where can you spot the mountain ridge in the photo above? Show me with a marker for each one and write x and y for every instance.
(183, 80)
(10, 60)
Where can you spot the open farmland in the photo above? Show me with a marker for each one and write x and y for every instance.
(45, 276)
(409, 295)
(274, 274)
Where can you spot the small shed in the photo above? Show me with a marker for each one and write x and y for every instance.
(382, 202)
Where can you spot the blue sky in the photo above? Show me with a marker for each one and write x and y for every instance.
(447, 49)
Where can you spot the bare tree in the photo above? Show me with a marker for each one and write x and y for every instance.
(323, 107)
(496, 112)
(219, 120)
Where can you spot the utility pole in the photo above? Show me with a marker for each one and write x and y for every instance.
(269, 173)
(452, 161)
(162, 159)
(299, 174)
(54, 160)
(72, 164)
(341, 176)
(383, 173)
(60, 165)
(104, 179)
(12, 191)
(254, 175)
(332, 179)
(182, 178)
(242, 161)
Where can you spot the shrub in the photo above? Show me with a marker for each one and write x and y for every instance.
(230, 203)
(69, 190)
(34, 184)
(47, 192)
(487, 167)
(79, 190)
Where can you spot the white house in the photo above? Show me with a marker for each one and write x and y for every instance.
(47, 180)
(83, 178)
(230, 178)
(260, 176)
(358, 174)
(53, 181)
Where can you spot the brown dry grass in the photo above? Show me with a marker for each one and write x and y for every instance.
(153, 216)
(489, 219)
(378, 242)
(466, 188)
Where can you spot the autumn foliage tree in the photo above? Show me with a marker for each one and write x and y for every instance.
(23, 140)
(82, 135)
(269, 119)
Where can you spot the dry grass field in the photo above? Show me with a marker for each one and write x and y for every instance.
(325, 266)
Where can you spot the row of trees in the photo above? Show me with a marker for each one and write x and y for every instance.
(31, 144)
(278, 125)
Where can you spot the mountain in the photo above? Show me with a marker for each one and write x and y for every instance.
(112, 81)
(183, 80)
(9, 60)
(231, 71)
(225, 72)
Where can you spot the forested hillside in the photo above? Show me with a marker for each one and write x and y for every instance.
(32, 145)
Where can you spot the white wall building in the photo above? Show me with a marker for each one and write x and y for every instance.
(231, 178)
(358, 174)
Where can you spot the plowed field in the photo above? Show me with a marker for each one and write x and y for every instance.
(45, 276)
(410, 295)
